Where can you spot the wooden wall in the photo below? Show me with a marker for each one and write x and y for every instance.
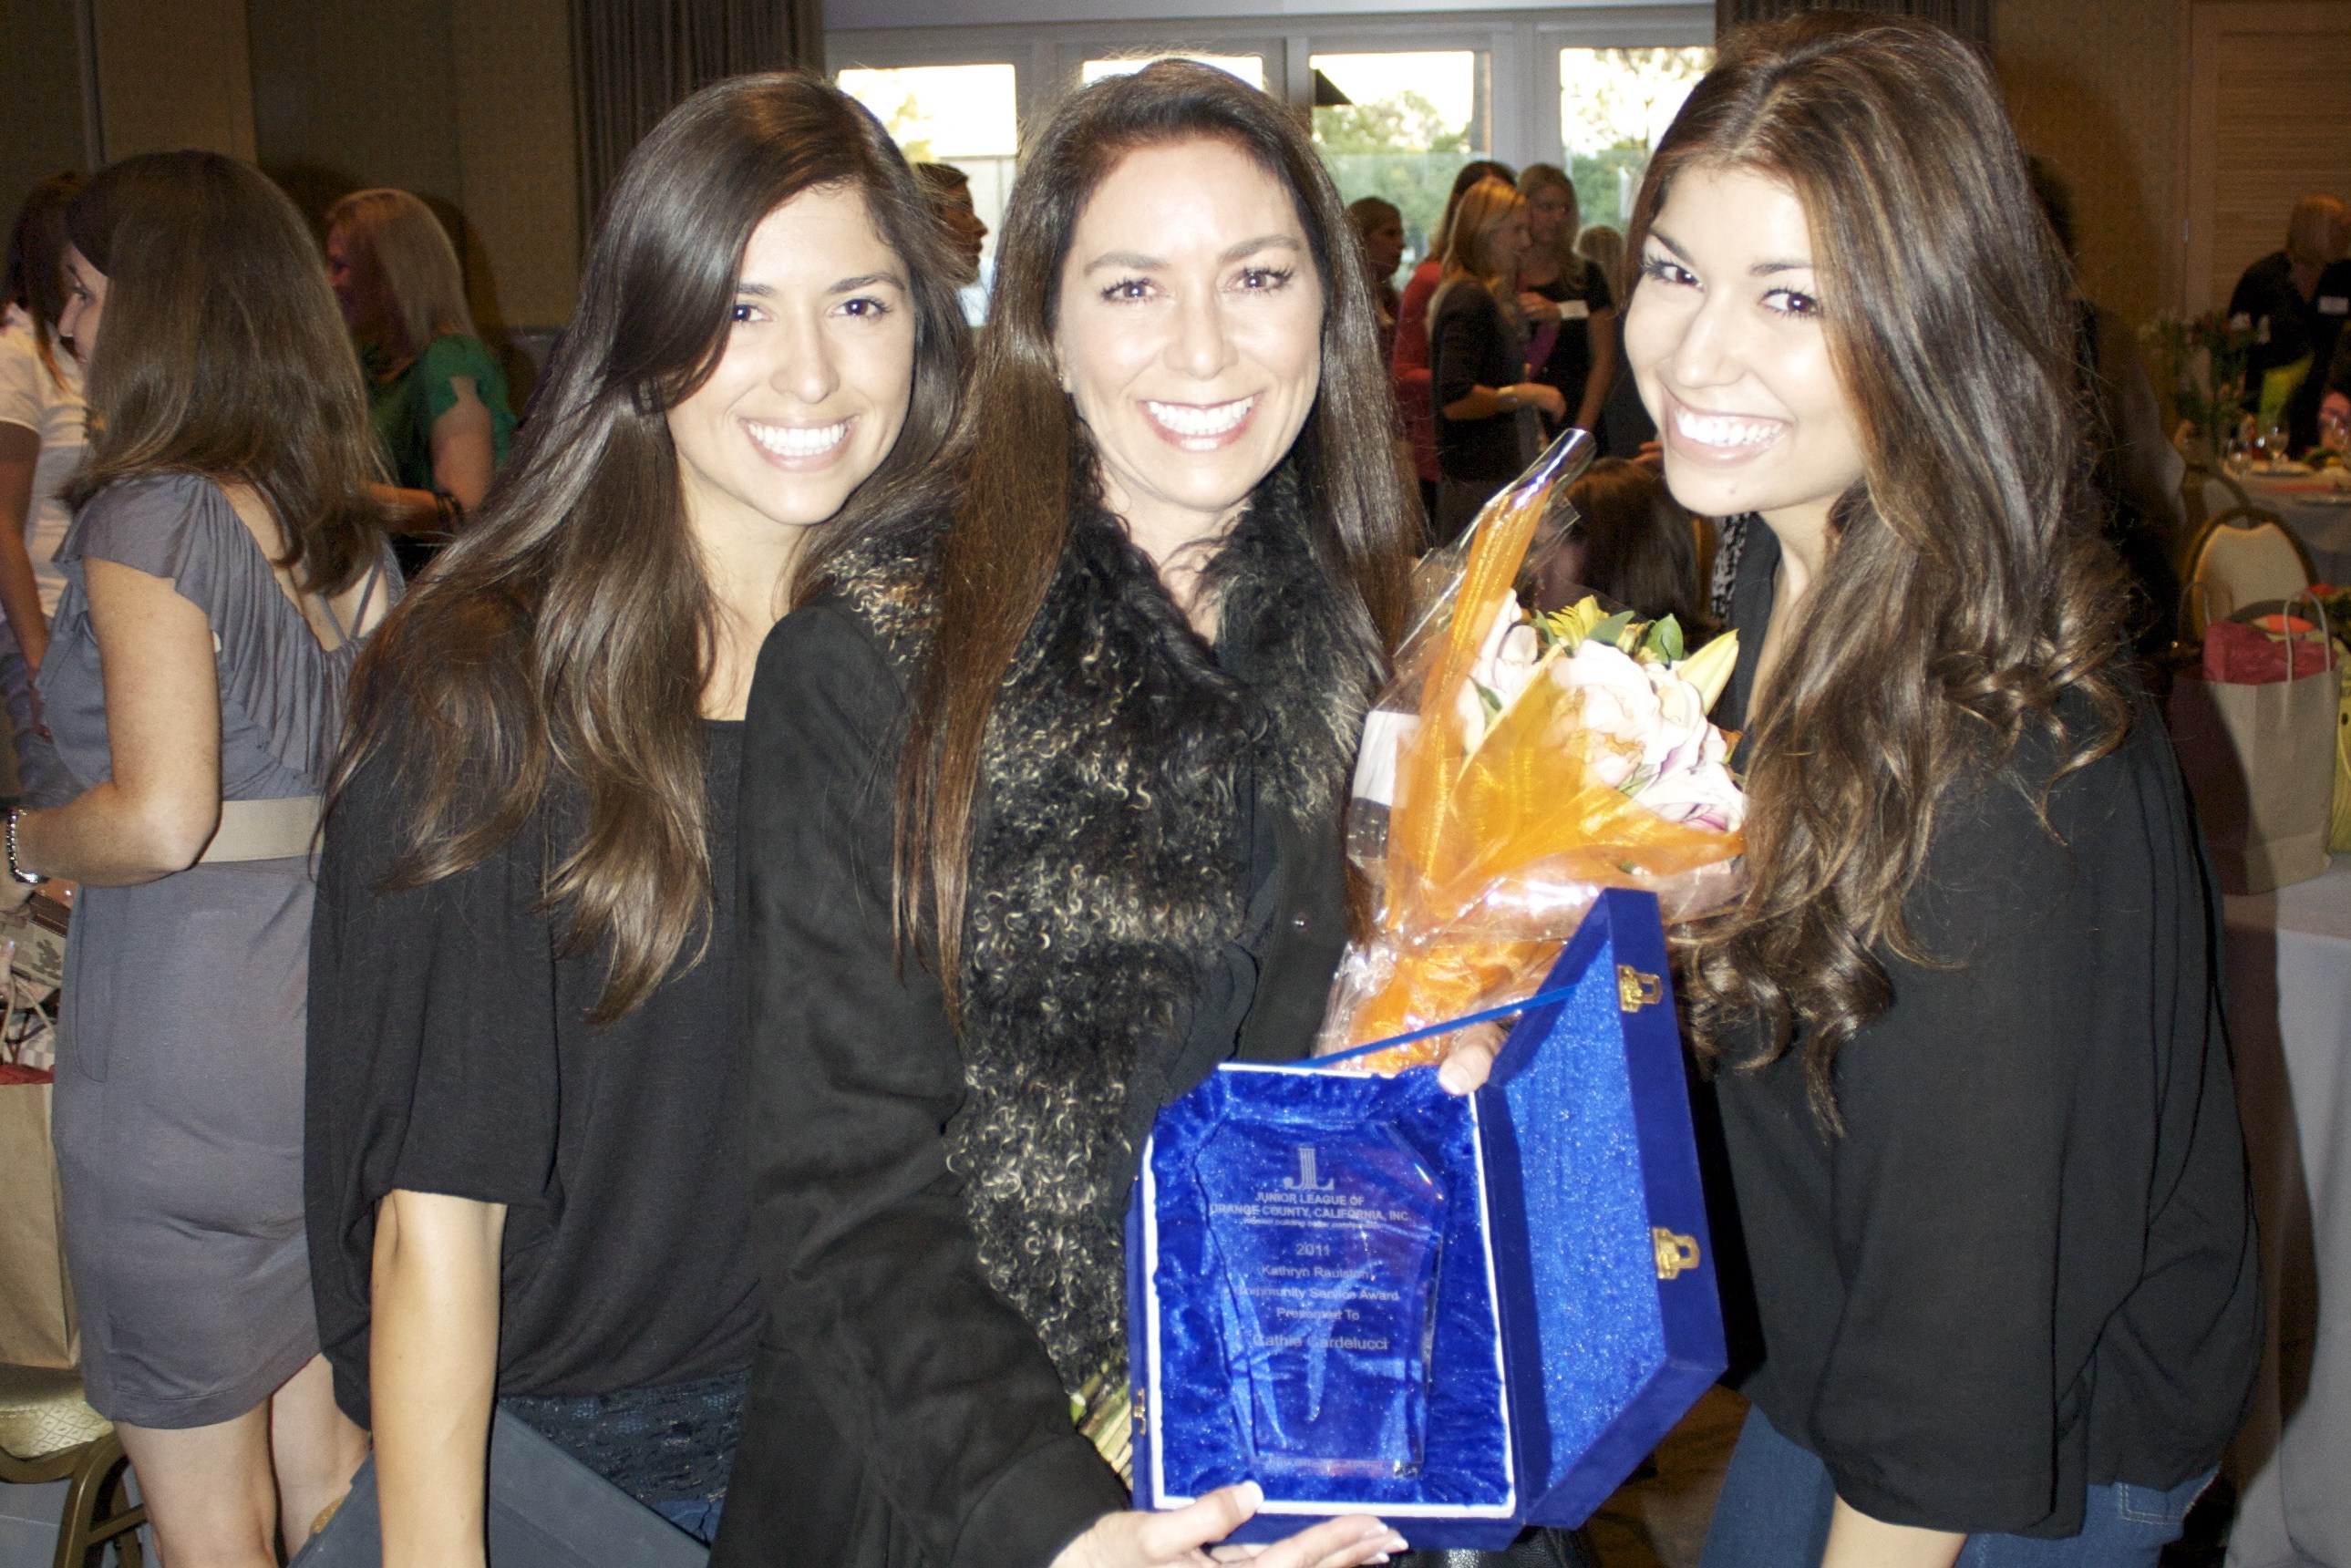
(466, 102)
(2094, 87)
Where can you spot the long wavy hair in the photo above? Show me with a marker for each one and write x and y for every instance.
(223, 354)
(570, 631)
(1024, 462)
(1965, 589)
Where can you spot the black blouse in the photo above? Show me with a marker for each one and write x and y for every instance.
(1471, 344)
(450, 1052)
(1568, 366)
(2027, 1266)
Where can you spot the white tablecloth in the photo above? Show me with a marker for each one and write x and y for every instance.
(2324, 526)
(2290, 1016)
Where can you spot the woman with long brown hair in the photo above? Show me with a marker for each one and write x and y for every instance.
(223, 561)
(1965, 1021)
(1488, 405)
(1042, 822)
(1408, 370)
(526, 1167)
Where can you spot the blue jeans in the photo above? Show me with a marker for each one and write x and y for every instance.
(1777, 1501)
(547, 1509)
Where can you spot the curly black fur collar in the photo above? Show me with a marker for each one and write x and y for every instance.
(1110, 866)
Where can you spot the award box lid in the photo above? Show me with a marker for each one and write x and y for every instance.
(1608, 1294)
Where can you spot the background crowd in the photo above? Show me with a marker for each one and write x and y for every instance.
(754, 758)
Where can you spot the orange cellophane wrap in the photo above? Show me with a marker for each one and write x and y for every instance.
(1492, 858)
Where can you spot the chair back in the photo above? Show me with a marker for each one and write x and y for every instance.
(2243, 557)
(2207, 492)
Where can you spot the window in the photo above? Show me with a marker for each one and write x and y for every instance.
(1614, 105)
(943, 112)
(1250, 69)
(964, 115)
(1409, 121)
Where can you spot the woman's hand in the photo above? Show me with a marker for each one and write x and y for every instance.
(1534, 395)
(1536, 307)
(1185, 1537)
(1470, 1058)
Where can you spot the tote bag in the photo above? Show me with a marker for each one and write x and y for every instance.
(2260, 758)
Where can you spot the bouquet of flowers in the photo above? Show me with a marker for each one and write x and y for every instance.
(1519, 763)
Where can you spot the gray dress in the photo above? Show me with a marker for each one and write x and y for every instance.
(178, 1108)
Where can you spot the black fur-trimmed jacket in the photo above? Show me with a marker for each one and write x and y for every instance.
(1156, 886)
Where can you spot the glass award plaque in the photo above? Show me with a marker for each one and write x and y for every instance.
(1326, 1252)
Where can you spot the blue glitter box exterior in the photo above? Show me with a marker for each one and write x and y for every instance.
(1466, 1315)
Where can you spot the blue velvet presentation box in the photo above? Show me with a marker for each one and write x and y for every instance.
(1466, 1314)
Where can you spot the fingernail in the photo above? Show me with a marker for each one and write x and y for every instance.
(1398, 1543)
(1252, 1495)
(1376, 1531)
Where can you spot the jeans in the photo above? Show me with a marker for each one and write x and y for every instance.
(547, 1509)
(1777, 1501)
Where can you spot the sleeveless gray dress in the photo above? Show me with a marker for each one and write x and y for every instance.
(178, 1107)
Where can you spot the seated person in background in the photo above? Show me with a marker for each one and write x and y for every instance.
(2296, 301)
(1636, 546)
(2138, 471)
(435, 393)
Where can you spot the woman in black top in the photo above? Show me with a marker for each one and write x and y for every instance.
(1965, 1019)
(1486, 405)
(1040, 823)
(1571, 310)
(2295, 301)
(525, 1160)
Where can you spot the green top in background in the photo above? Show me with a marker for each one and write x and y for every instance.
(402, 407)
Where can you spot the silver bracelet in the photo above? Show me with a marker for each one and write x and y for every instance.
(15, 869)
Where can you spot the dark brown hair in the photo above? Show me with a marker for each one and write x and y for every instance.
(36, 283)
(1965, 590)
(1024, 460)
(223, 354)
(570, 628)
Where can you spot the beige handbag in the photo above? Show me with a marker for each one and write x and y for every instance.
(2259, 761)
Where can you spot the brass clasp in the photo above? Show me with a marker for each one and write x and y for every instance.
(1636, 990)
(1677, 1255)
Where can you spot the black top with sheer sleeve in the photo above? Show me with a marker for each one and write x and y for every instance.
(450, 1052)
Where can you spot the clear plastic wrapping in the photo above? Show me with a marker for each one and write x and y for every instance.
(1517, 764)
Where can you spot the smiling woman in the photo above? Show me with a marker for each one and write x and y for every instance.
(526, 1173)
(1116, 651)
(1965, 1019)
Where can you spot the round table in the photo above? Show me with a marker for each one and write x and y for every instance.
(2289, 974)
(2319, 512)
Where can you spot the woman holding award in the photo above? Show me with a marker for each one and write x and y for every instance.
(1965, 1019)
(1040, 823)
